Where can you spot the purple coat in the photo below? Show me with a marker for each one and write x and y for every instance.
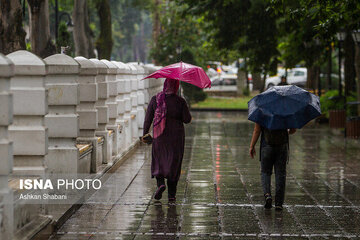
(168, 148)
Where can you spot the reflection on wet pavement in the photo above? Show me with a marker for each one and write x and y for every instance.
(219, 194)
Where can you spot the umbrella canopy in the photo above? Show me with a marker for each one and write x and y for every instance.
(283, 107)
(184, 72)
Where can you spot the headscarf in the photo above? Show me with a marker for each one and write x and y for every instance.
(170, 87)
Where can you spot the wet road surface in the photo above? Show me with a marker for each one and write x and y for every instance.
(219, 194)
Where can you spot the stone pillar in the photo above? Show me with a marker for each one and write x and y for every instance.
(134, 103)
(103, 109)
(28, 131)
(140, 99)
(120, 78)
(62, 120)
(88, 114)
(6, 149)
(128, 108)
(146, 87)
(113, 104)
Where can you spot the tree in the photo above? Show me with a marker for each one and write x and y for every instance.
(324, 19)
(12, 35)
(82, 32)
(41, 43)
(181, 39)
(247, 27)
(104, 42)
(156, 7)
(349, 66)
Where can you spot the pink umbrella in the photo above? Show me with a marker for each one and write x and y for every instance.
(184, 72)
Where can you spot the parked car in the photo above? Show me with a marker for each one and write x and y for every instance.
(295, 76)
(223, 79)
(228, 80)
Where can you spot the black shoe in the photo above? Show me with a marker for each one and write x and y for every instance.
(268, 201)
(278, 208)
(159, 191)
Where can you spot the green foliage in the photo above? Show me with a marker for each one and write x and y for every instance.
(181, 39)
(28, 46)
(131, 28)
(247, 27)
(332, 101)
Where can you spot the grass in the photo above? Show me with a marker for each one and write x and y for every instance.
(223, 103)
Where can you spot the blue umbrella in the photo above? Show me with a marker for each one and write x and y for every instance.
(283, 107)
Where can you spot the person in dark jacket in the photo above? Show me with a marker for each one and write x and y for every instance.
(283, 81)
(274, 150)
(168, 112)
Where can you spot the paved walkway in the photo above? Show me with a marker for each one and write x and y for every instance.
(219, 194)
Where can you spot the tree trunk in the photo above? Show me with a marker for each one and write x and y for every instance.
(82, 32)
(349, 50)
(257, 81)
(12, 35)
(241, 80)
(104, 42)
(329, 70)
(142, 43)
(40, 38)
(357, 68)
(156, 22)
(263, 82)
(313, 73)
(135, 47)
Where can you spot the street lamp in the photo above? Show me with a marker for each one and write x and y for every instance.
(341, 37)
(58, 19)
(69, 22)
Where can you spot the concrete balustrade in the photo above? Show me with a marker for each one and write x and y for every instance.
(28, 131)
(128, 108)
(103, 111)
(140, 98)
(6, 149)
(88, 114)
(62, 120)
(120, 99)
(113, 105)
(134, 102)
(146, 87)
(63, 115)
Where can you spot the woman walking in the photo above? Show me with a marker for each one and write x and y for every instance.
(168, 112)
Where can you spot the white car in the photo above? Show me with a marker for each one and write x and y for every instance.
(295, 76)
(224, 79)
(227, 81)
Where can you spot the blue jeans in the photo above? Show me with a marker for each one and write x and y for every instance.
(274, 157)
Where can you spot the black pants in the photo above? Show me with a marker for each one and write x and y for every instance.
(170, 184)
(274, 157)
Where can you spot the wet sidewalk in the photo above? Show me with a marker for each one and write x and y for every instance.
(219, 194)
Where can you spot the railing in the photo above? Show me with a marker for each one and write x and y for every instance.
(64, 115)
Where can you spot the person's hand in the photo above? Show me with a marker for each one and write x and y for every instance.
(143, 140)
(252, 152)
